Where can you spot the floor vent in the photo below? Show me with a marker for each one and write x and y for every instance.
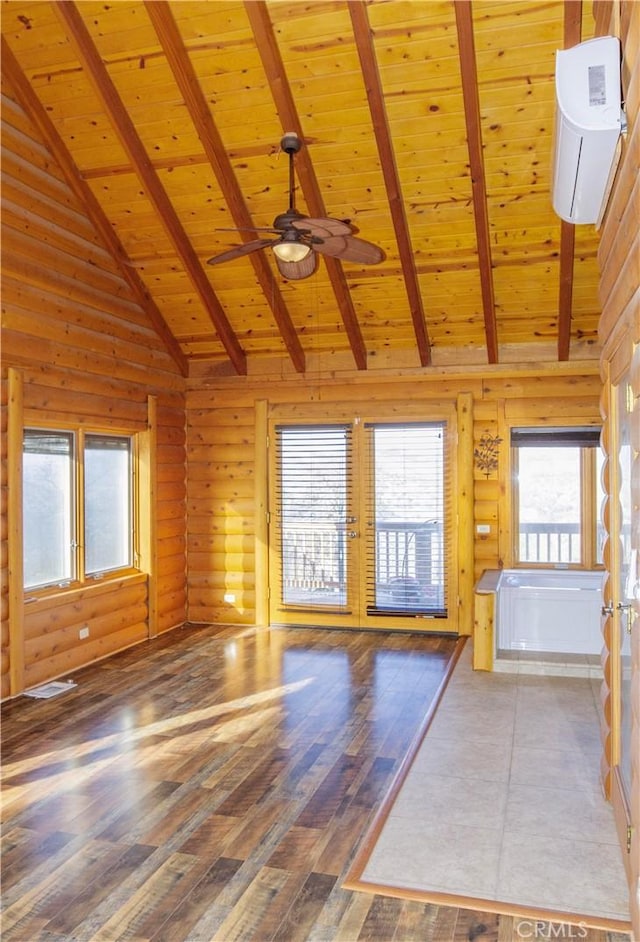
(46, 691)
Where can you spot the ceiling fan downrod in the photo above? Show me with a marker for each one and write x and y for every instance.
(290, 144)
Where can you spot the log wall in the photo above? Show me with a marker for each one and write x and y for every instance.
(223, 447)
(79, 351)
(619, 330)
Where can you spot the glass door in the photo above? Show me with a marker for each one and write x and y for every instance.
(406, 516)
(626, 584)
(361, 525)
(312, 523)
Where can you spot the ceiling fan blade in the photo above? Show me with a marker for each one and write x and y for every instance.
(324, 228)
(351, 249)
(240, 250)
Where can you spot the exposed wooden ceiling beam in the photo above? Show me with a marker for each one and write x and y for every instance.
(565, 292)
(107, 93)
(572, 36)
(31, 105)
(187, 81)
(604, 12)
(366, 53)
(469, 75)
(274, 68)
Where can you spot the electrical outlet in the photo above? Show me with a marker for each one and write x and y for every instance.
(83, 633)
(483, 528)
(229, 597)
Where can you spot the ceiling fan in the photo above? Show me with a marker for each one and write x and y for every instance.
(299, 238)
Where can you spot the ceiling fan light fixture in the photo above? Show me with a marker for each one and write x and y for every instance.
(290, 249)
(296, 271)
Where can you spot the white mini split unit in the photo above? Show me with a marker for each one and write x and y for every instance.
(589, 122)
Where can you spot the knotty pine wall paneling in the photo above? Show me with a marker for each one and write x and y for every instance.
(86, 355)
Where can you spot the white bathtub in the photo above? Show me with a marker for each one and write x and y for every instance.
(555, 611)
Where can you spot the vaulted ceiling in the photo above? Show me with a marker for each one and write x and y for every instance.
(427, 126)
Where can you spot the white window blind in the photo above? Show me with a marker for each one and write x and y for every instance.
(312, 506)
(49, 537)
(407, 508)
(108, 503)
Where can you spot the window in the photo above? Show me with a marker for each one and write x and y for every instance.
(107, 503)
(77, 506)
(557, 496)
(48, 512)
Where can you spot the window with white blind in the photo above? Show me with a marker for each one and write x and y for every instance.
(49, 521)
(407, 502)
(108, 503)
(78, 506)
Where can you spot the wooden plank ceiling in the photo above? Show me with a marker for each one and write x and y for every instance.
(427, 125)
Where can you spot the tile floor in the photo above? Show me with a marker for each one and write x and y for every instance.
(560, 665)
(502, 801)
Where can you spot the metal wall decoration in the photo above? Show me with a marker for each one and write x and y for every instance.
(486, 454)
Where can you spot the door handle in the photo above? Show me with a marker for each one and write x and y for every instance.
(352, 534)
(622, 607)
(628, 608)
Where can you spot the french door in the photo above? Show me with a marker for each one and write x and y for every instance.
(623, 586)
(361, 522)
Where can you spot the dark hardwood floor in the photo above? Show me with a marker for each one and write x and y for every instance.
(214, 785)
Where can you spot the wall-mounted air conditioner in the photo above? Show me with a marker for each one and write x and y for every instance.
(588, 127)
